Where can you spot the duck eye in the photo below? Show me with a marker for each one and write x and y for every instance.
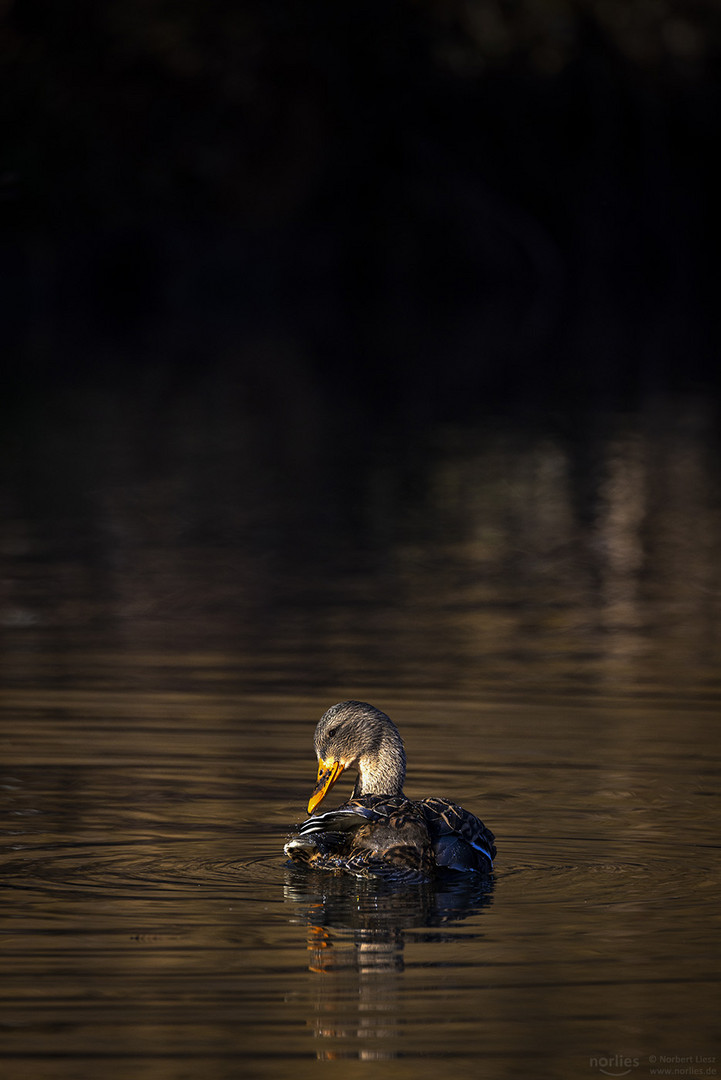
(331, 732)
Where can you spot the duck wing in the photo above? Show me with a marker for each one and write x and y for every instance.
(459, 839)
(376, 835)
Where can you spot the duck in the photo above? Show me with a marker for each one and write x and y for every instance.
(379, 832)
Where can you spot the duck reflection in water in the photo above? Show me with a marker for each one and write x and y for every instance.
(379, 832)
(356, 931)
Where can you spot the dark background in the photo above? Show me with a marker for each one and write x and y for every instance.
(416, 210)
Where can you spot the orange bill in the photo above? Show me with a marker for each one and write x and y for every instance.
(328, 773)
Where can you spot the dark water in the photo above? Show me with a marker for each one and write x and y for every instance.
(536, 605)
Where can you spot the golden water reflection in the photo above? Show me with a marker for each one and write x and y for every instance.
(590, 554)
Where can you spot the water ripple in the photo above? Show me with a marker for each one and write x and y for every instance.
(178, 868)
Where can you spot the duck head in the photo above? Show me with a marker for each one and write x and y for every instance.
(354, 735)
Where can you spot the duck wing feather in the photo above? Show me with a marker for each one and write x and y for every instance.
(369, 835)
(459, 839)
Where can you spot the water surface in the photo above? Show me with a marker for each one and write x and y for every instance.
(537, 609)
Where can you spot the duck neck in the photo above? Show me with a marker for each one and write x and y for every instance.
(382, 773)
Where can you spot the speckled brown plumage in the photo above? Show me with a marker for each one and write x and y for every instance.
(379, 831)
